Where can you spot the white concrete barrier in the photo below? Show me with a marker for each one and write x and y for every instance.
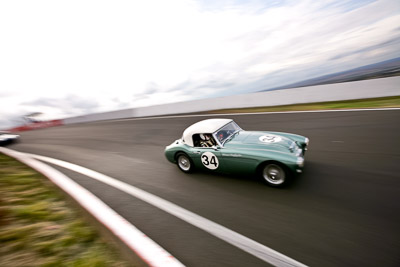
(118, 114)
(320, 93)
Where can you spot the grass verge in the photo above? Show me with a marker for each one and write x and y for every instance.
(38, 227)
(383, 102)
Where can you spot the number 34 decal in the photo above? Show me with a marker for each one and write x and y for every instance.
(209, 160)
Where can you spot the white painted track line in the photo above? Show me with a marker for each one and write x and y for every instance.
(246, 244)
(143, 246)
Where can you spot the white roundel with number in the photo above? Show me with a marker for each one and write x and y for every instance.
(209, 160)
(270, 138)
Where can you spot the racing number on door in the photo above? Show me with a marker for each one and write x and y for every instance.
(209, 160)
(212, 161)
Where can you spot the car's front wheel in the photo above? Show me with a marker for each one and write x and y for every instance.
(274, 174)
(184, 163)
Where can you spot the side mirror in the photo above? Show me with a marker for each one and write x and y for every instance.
(215, 148)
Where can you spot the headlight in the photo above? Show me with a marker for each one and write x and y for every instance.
(300, 162)
(307, 141)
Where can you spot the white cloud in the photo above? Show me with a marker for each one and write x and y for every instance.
(136, 53)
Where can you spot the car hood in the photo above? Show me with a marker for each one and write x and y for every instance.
(260, 140)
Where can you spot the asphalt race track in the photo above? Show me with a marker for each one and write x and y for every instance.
(342, 211)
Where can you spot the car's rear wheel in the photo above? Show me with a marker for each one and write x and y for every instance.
(184, 163)
(274, 174)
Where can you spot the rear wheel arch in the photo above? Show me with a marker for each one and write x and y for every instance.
(184, 162)
(179, 152)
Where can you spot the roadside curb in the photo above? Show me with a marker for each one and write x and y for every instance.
(147, 251)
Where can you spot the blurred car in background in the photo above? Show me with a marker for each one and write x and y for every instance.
(8, 138)
(221, 145)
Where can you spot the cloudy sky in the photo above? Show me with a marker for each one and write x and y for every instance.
(67, 58)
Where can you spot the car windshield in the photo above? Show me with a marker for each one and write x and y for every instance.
(224, 134)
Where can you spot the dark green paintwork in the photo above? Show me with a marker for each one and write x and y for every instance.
(244, 153)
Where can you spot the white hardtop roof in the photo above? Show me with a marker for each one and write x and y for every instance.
(205, 126)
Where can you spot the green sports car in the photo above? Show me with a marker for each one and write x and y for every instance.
(221, 145)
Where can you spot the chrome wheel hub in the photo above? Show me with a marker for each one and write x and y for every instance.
(274, 174)
(184, 163)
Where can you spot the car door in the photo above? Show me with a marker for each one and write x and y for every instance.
(238, 161)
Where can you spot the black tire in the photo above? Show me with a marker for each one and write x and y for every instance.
(184, 162)
(274, 174)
